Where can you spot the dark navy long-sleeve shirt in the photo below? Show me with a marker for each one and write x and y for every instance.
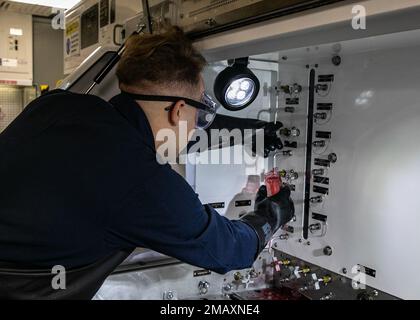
(79, 180)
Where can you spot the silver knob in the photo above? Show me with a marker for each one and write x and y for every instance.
(315, 227)
(295, 132)
(292, 175)
(169, 295)
(317, 199)
(284, 236)
(320, 115)
(227, 287)
(253, 273)
(319, 143)
(203, 287)
(318, 172)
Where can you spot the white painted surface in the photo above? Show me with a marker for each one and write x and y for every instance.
(373, 204)
(16, 65)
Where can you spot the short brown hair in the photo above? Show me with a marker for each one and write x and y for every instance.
(165, 58)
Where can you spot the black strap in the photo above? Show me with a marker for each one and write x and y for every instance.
(145, 97)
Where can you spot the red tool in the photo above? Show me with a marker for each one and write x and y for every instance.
(273, 182)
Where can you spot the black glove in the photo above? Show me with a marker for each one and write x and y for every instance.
(270, 213)
(271, 140)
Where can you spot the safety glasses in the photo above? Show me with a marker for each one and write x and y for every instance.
(206, 108)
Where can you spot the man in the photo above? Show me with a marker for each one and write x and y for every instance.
(81, 180)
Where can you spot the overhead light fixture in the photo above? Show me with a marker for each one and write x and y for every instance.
(236, 87)
(16, 32)
(62, 4)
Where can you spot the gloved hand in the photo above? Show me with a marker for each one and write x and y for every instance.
(271, 139)
(270, 213)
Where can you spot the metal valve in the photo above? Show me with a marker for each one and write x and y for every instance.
(289, 175)
(318, 172)
(320, 115)
(317, 199)
(287, 153)
(169, 295)
(293, 132)
(304, 271)
(319, 143)
(327, 296)
(321, 87)
(277, 263)
(365, 295)
(253, 274)
(284, 236)
(203, 287)
(238, 276)
(227, 287)
(292, 89)
(325, 280)
(292, 175)
(315, 227)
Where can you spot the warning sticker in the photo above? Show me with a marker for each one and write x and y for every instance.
(72, 41)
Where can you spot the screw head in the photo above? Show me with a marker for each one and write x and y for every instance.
(328, 251)
(336, 60)
(332, 157)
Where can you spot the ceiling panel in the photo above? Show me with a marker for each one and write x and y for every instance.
(24, 8)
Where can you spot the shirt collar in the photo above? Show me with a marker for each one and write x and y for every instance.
(134, 114)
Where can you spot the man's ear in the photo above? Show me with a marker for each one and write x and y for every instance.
(175, 113)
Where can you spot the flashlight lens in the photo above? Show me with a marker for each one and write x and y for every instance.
(240, 92)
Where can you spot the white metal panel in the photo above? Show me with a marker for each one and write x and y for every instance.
(15, 49)
(372, 207)
(313, 27)
(74, 54)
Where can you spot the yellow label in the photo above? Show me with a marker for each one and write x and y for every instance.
(72, 27)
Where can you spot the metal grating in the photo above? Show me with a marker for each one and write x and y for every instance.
(13, 99)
